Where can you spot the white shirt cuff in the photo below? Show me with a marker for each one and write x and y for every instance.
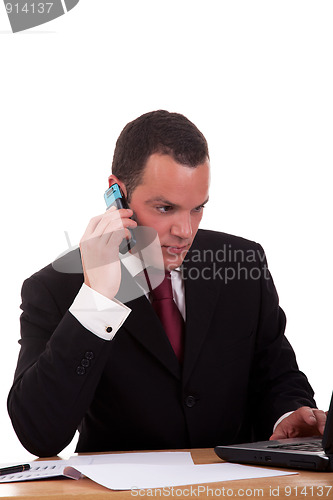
(98, 314)
(282, 418)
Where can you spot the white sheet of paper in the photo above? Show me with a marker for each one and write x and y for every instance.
(146, 476)
(54, 468)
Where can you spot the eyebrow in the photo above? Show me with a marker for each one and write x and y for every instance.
(160, 199)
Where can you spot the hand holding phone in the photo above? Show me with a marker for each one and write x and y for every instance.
(115, 198)
(99, 248)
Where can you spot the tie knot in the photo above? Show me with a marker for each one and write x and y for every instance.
(164, 289)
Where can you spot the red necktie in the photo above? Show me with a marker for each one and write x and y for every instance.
(169, 314)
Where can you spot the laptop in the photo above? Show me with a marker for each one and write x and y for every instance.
(314, 453)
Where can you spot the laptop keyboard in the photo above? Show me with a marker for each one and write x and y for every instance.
(315, 445)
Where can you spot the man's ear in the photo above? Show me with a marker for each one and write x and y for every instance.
(113, 179)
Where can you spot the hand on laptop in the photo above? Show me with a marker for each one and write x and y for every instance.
(301, 423)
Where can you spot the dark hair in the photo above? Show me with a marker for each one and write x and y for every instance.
(156, 132)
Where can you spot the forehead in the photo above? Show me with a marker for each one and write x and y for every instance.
(163, 176)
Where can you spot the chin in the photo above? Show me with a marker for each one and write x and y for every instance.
(172, 260)
(172, 263)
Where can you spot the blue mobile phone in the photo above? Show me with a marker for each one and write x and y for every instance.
(115, 198)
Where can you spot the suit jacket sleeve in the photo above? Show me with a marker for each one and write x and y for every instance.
(59, 366)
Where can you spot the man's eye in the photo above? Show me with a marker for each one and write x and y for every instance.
(200, 208)
(164, 209)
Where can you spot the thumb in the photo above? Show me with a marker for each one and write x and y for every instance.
(277, 434)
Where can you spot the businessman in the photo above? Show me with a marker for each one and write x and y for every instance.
(197, 361)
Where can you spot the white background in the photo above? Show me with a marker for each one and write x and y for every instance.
(255, 76)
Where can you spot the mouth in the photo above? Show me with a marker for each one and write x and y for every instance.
(176, 250)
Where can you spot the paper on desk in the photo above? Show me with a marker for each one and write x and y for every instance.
(69, 468)
(143, 476)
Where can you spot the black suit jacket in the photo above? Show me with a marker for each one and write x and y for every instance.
(239, 373)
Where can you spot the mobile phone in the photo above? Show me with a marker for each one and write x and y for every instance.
(114, 197)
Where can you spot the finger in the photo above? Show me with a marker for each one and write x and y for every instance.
(308, 415)
(116, 226)
(116, 237)
(321, 420)
(111, 215)
(315, 418)
(117, 220)
(308, 421)
(113, 237)
(277, 435)
(282, 430)
(93, 224)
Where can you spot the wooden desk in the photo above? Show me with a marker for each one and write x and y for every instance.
(301, 486)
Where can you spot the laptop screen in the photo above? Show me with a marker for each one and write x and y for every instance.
(328, 433)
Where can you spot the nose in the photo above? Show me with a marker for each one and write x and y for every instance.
(182, 226)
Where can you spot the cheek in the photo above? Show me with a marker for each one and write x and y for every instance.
(196, 221)
(162, 226)
(155, 221)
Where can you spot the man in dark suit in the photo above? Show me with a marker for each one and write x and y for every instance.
(90, 362)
